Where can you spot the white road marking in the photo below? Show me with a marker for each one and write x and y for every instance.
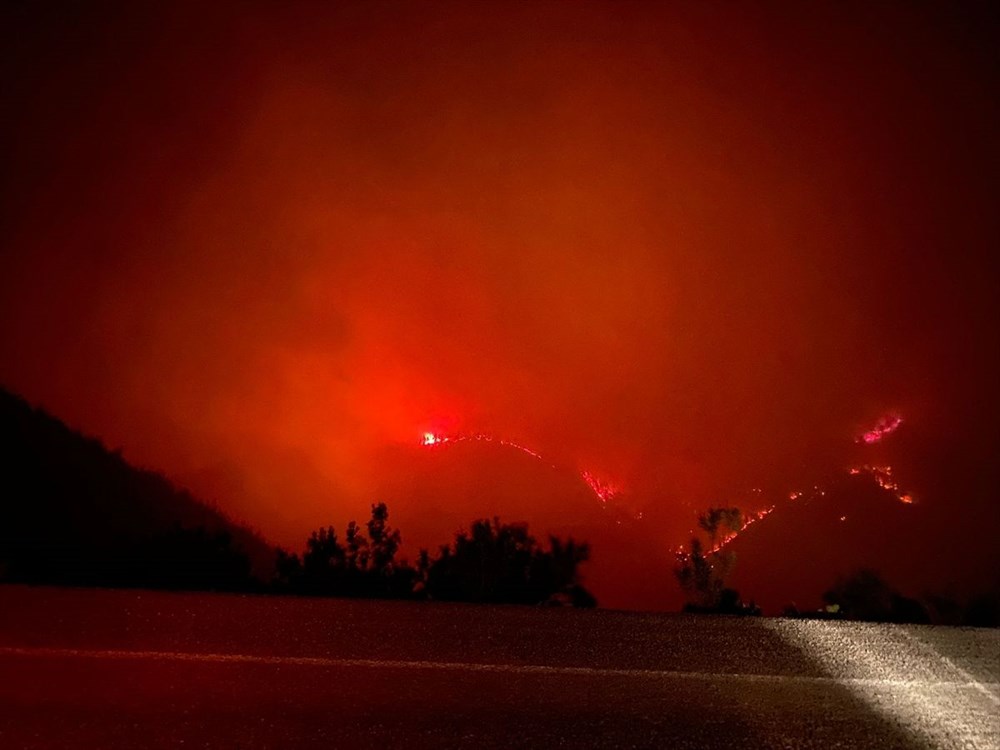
(936, 718)
(949, 665)
(320, 661)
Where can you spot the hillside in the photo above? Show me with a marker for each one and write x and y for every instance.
(803, 547)
(74, 512)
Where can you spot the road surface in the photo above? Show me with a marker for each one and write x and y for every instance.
(86, 668)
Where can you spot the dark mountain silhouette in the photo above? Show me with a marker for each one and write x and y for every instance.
(73, 512)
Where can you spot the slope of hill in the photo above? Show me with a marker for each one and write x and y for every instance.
(73, 512)
(799, 551)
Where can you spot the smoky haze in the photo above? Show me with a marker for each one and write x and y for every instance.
(691, 250)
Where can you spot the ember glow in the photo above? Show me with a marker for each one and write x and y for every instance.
(605, 491)
(885, 426)
(883, 477)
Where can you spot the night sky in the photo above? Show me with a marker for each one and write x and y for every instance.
(692, 250)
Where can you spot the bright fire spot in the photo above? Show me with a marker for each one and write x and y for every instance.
(431, 439)
(794, 495)
(604, 490)
(885, 426)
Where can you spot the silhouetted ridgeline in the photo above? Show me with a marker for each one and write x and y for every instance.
(72, 512)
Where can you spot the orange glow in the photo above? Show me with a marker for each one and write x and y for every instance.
(292, 254)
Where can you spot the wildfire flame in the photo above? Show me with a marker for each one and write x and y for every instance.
(884, 478)
(882, 475)
(749, 521)
(604, 491)
(434, 438)
(885, 426)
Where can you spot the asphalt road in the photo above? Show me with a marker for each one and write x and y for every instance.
(85, 668)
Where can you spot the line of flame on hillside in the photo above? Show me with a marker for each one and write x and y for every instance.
(603, 490)
(882, 475)
(606, 491)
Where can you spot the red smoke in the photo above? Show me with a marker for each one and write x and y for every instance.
(685, 248)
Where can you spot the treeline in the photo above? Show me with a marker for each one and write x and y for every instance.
(492, 562)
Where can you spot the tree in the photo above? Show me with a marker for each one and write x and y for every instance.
(323, 562)
(384, 540)
(702, 569)
(356, 547)
(361, 567)
(287, 570)
(503, 563)
(715, 520)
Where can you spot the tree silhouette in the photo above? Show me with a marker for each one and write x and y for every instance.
(503, 563)
(361, 567)
(716, 520)
(323, 561)
(287, 571)
(384, 541)
(702, 569)
(356, 547)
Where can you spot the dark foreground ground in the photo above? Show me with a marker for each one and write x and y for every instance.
(84, 668)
